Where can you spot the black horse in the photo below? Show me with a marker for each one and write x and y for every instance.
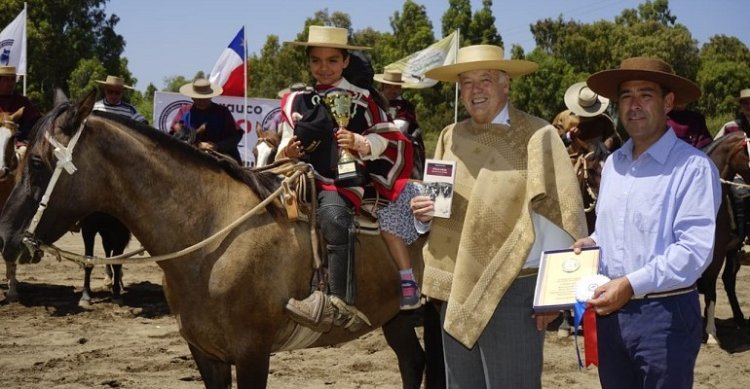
(115, 237)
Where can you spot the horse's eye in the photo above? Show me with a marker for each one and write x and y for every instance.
(36, 163)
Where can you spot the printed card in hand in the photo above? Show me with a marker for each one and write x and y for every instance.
(438, 180)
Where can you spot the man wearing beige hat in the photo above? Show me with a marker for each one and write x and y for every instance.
(595, 130)
(220, 131)
(515, 196)
(656, 217)
(10, 101)
(114, 88)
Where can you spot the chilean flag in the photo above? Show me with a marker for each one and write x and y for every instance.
(229, 70)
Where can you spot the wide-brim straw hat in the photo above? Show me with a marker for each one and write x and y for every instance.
(481, 57)
(201, 89)
(607, 82)
(7, 71)
(325, 36)
(745, 94)
(392, 77)
(584, 102)
(115, 81)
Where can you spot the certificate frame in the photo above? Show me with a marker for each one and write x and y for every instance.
(559, 273)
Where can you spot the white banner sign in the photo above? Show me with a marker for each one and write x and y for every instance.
(259, 114)
(12, 51)
(414, 66)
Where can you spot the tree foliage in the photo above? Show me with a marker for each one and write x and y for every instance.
(60, 34)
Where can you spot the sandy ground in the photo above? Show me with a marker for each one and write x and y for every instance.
(47, 341)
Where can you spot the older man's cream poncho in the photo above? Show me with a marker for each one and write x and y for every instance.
(502, 174)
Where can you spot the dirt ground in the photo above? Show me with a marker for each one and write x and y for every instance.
(47, 341)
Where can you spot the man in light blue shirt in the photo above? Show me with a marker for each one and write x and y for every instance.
(655, 225)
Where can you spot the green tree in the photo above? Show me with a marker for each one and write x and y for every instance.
(59, 34)
(82, 79)
(173, 83)
(482, 27)
(457, 16)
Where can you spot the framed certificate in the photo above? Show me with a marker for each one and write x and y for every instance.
(559, 272)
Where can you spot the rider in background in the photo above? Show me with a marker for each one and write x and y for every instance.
(114, 88)
(220, 133)
(10, 101)
(689, 126)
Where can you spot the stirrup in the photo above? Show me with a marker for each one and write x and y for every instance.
(348, 316)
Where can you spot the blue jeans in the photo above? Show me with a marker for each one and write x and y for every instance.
(650, 343)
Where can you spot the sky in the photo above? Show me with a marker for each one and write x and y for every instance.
(166, 38)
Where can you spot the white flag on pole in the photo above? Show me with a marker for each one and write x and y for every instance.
(12, 42)
(414, 66)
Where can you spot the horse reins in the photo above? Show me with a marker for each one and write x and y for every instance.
(64, 156)
(583, 162)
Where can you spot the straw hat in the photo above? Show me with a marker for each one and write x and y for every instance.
(7, 70)
(114, 81)
(392, 77)
(481, 57)
(580, 99)
(607, 82)
(745, 94)
(201, 89)
(296, 87)
(325, 36)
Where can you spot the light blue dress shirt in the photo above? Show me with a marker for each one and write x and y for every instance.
(656, 215)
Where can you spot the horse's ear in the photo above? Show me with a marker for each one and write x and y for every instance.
(16, 116)
(258, 129)
(60, 97)
(86, 106)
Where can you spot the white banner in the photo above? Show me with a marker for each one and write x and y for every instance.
(12, 42)
(414, 66)
(259, 114)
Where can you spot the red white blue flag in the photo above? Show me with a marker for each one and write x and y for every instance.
(229, 70)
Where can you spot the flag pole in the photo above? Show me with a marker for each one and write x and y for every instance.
(25, 31)
(248, 126)
(455, 100)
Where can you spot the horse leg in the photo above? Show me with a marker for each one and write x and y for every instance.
(400, 335)
(10, 274)
(433, 348)
(252, 370)
(215, 374)
(116, 283)
(729, 276)
(565, 328)
(85, 301)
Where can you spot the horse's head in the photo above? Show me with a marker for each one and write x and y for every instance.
(33, 209)
(8, 129)
(268, 143)
(730, 155)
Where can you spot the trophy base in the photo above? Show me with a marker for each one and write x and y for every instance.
(350, 174)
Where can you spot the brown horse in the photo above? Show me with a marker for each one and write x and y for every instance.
(228, 295)
(730, 155)
(8, 165)
(267, 145)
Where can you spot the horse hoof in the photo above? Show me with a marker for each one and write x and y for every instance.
(712, 340)
(11, 298)
(563, 333)
(118, 301)
(85, 304)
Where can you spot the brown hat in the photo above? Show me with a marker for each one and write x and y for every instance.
(745, 94)
(7, 71)
(392, 77)
(607, 82)
(325, 36)
(201, 89)
(582, 101)
(114, 81)
(481, 57)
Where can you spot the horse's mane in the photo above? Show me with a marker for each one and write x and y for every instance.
(262, 183)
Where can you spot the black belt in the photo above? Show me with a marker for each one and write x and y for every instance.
(669, 293)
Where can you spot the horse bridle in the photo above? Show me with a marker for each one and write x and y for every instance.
(5, 171)
(64, 156)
